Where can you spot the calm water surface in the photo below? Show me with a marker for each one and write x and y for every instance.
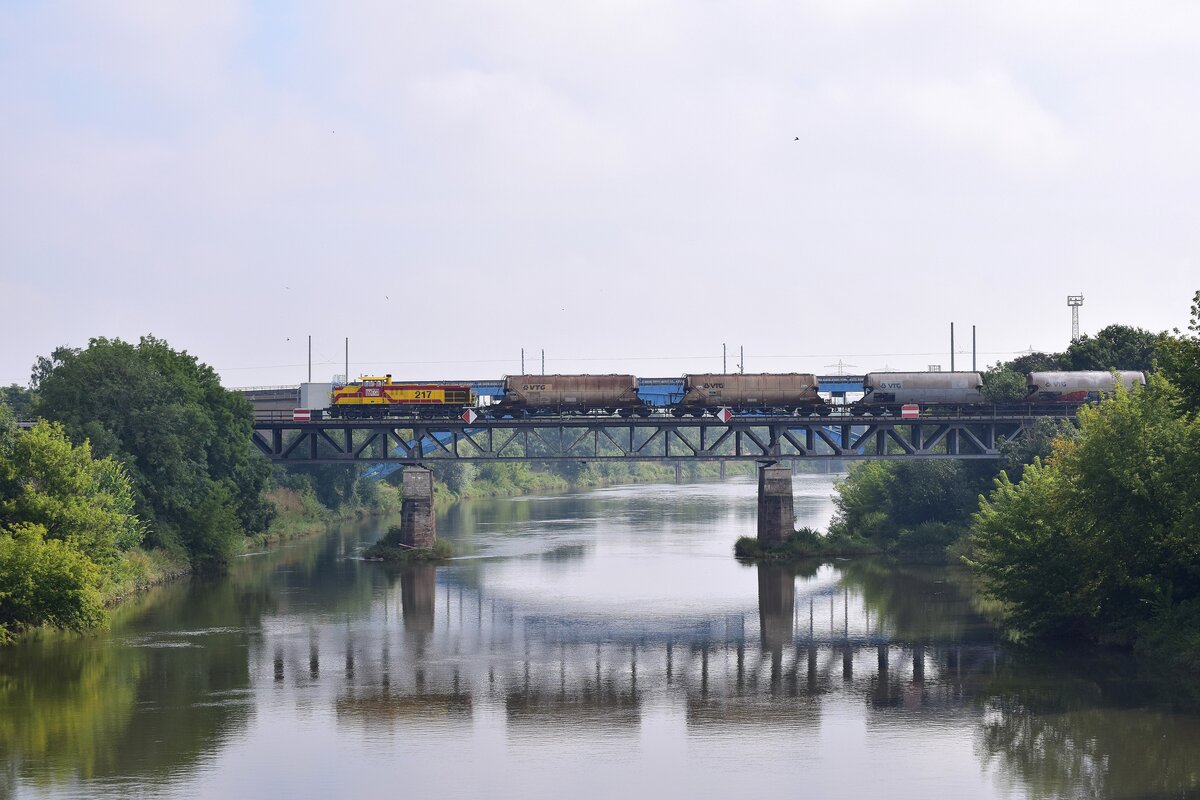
(594, 645)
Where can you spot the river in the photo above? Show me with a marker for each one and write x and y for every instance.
(592, 645)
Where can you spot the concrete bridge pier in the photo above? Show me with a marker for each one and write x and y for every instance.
(417, 527)
(776, 516)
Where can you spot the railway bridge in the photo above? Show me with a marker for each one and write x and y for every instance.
(286, 432)
(770, 441)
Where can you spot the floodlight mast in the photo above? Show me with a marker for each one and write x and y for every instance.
(1074, 301)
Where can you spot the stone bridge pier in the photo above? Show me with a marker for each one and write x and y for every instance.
(776, 516)
(417, 528)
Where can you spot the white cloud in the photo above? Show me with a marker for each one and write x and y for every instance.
(611, 179)
(987, 113)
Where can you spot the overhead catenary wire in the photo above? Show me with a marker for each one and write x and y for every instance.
(568, 359)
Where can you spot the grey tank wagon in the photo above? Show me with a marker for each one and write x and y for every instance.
(767, 393)
(888, 391)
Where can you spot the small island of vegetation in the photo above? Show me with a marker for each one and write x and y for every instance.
(392, 548)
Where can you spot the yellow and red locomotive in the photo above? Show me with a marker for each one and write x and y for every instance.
(379, 396)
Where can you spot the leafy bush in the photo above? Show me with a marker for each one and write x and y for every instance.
(45, 582)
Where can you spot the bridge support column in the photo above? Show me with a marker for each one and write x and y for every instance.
(417, 527)
(776, 518)
(678, 472)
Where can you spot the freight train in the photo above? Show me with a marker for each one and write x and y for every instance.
(699, 395)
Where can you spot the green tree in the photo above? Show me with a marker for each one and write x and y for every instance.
(18, 399)
(1103, 540)
(1035, 362)
(1035, 442)
(916, 504)
(1118, 347)
(1004, 386)
(1179, 359)
(86, 503)
(184, 440)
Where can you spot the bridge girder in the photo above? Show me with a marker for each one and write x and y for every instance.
(585, 439)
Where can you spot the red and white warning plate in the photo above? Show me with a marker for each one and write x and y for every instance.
(301, 415)
(723, 414)
(469, 416)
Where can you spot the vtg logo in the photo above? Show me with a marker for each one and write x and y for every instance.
(713, 386)
(534, 387)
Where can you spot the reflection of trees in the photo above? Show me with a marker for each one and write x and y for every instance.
(1089, 730)
(63, 707)
(148, 707)
(915, 603)
(169, 682)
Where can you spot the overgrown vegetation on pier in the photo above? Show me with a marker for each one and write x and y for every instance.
(392, 548)
(802, 544)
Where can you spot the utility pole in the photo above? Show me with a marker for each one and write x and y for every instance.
(347, 376)
(1074, 301)
(522, 360)
(952, 347)
(543, 361)
(741, 358)
(972, 348)
(310, 358)
(724, 369)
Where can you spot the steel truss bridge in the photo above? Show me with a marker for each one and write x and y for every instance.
(657, 438)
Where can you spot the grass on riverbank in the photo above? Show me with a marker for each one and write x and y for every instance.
(298, 514)
(141, 569)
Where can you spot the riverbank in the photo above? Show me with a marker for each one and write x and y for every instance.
(298, 514)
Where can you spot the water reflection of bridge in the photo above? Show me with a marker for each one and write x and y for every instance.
(446, 648)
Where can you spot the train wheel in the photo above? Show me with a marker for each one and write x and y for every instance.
(643, 412)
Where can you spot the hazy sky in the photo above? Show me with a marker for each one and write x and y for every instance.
(617, 182)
